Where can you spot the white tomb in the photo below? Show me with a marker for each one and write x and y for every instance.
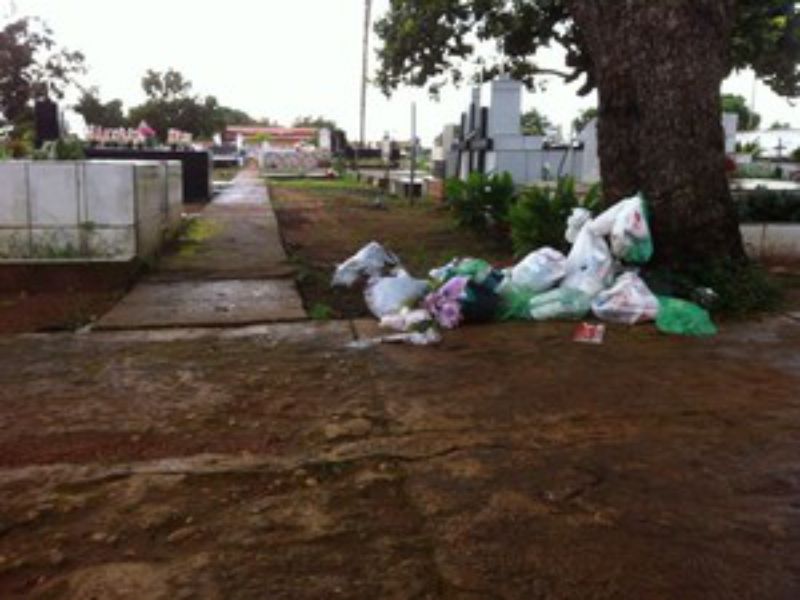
(87, 210)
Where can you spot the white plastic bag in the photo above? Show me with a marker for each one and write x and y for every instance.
(575, 222)
(537, 272)
(406, 319)
(371, 261)
(628, 301)
(626, 225)
(589, 264)
(560, 303)
(389, 295)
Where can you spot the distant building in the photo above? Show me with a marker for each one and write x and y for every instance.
(280, 137)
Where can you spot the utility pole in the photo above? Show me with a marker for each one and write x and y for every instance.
(413, 149)
(364, 68)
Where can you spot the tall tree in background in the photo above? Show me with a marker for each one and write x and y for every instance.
(533, 122)
(316, 122)
(170, 104)
(97, 112)
(748, 119)
(657, 67)
(583, 118)
(32, 67)
(165, 87)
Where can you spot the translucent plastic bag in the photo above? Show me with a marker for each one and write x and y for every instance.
(372, 260)
(515, 305)
(475, 269)
(681, 317)
(575, 222)
(561, 303)
(537, 272)
(389, 295)
(626, 225)
(408, 320)
(589, 264)
(628, 301)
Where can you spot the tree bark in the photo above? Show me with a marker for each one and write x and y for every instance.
(659, 67)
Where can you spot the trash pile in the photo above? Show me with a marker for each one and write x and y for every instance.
(598, 276)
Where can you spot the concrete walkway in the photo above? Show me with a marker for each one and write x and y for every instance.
(229, 268)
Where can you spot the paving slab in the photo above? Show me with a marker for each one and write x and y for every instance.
(233, 241)
(205, 303)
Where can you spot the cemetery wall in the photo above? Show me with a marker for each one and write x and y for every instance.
(87, 210)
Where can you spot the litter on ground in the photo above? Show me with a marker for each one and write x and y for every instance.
(599, 276)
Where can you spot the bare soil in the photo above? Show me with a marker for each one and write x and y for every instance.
(509, 462)
(322, 227)
(59, 297)
(506, 463)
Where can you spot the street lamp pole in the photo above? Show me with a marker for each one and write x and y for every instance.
(364, 67)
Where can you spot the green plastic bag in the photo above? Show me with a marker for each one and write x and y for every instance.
(681, 317)
(640, 251)
(515, 305)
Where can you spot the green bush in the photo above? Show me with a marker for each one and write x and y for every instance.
(757, 171)
(768, 206)
(539, 217)
(481, 203)
(70, 148)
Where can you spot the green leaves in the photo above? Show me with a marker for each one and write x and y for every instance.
(432, 42)
(539, 216)
(481, 202)
(31, 67)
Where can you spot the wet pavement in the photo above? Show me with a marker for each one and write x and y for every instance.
(192, 303)
(229, 269)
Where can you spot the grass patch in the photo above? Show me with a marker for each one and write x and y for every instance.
(320, 312)
(225, 173)
(339, 184)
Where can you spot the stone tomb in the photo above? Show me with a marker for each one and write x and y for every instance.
(87, 210)
(490, 140)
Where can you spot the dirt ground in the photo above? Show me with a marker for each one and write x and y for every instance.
(323, 226)
(509, 462)
(59, 297)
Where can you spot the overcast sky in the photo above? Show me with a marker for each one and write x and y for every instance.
(282, 59)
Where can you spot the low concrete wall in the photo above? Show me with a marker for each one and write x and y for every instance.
(87, 210)
(776, 241)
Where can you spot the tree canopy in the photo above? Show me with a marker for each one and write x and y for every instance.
(534, 123)
(97, 112)
(583, 118)
(432, 43)
(165, 87)
(748, 119)
(170, 104)
(32, 66)
(316, 122)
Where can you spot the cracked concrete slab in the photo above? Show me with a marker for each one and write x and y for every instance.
(205, 303)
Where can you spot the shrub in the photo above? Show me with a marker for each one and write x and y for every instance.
(69, 148)
(481, 202)
(739, 288)
(757, 171)
(768, 206)
(539, 217)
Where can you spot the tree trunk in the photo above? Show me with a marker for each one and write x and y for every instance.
(659, 67)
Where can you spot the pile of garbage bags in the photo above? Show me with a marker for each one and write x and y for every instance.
(599, 276)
